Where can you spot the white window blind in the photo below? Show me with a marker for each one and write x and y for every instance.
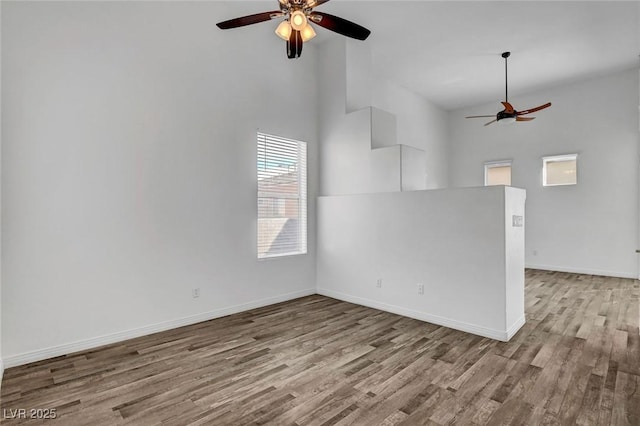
(497, 173)
(560, 170)
(282, 196)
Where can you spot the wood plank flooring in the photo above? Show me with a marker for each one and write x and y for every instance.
(319, 361)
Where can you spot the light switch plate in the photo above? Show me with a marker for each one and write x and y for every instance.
(517, 221)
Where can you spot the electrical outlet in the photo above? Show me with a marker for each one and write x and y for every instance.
(420, 288)
(379, 283)
(195, 293)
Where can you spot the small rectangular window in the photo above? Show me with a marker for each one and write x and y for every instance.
(560, 170)
(497, 173)
(282, 196)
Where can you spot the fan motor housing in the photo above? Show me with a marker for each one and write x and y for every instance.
(505, 114)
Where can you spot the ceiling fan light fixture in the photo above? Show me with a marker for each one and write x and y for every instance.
(507, 120)
(307, 33)
(284, 30)
(298, 20)
(296, 27)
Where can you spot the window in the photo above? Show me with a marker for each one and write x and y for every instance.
(560, 170)
(497, 173)
(282, 196)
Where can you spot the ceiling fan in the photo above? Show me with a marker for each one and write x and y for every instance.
(508, 114)
(296, 27)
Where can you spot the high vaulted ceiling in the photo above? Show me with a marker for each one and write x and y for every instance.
(449, 51)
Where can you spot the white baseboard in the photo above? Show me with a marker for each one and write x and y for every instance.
(585, 271)
(515, 327)
(83, 345)
(502, 335)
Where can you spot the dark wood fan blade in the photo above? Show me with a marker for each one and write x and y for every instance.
(481, 116)
(524, 118)
(311, 3)
(340, 26)
(538, 108)
(294, 45)
(507, 107)
(248, 20)
(492, 121)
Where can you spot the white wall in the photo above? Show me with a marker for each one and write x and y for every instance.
(458, 242)
(514, 233)
(128, 168)
(421, 124)
(347, 162)
(348, 165)
(591, 227)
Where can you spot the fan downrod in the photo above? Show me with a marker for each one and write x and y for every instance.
(505, 55)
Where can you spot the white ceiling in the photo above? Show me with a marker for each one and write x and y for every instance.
(449, 51)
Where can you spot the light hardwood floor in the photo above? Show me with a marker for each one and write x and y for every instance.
(319, 361)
